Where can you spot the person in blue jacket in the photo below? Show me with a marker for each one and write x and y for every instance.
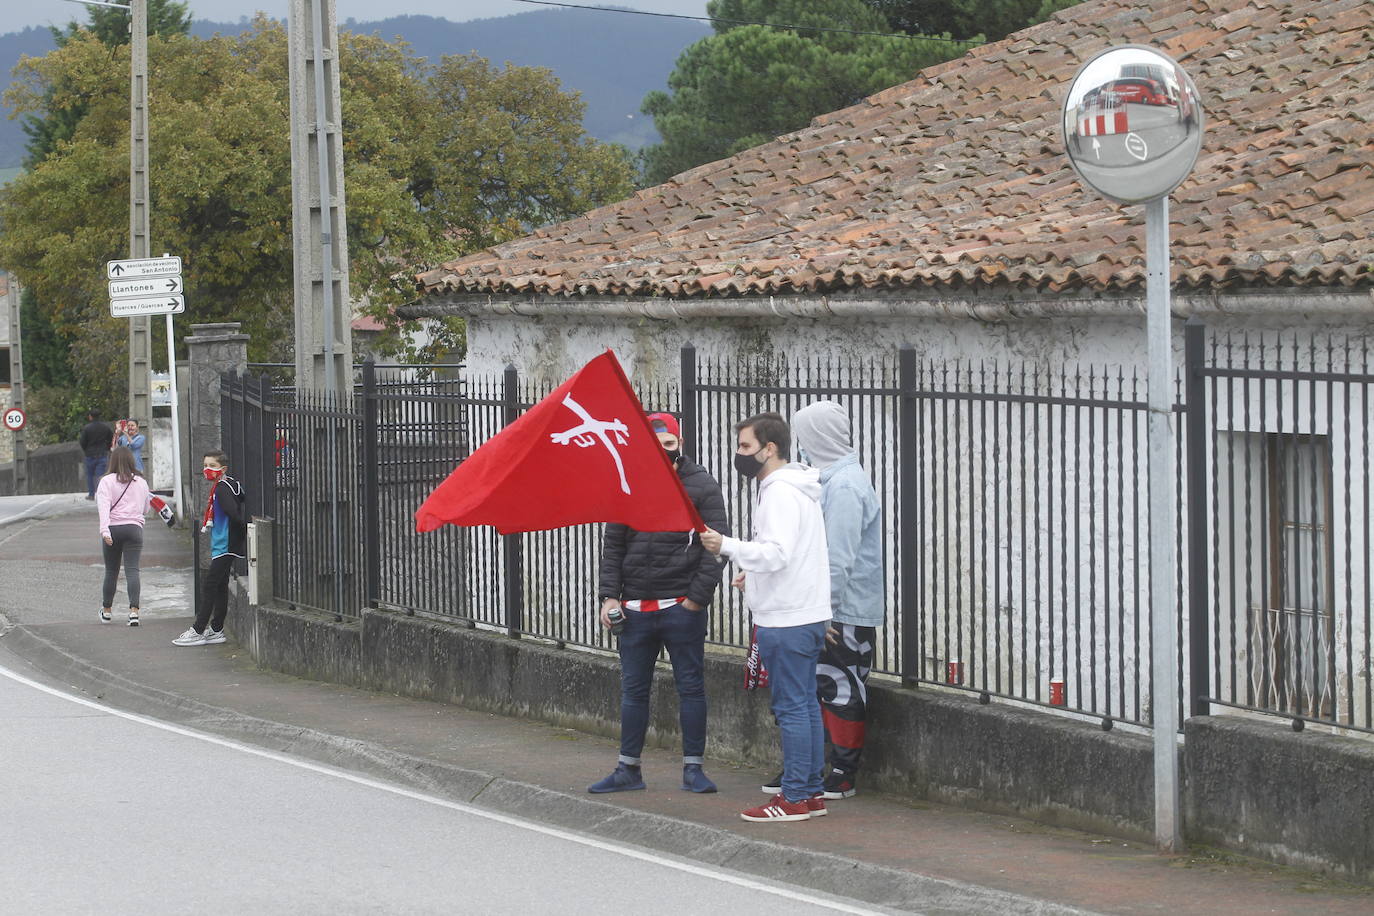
(853, 532)
(127, 435)
(226, 521)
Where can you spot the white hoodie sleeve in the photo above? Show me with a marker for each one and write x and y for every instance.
(776, 534)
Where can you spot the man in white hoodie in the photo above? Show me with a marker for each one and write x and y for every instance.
(788, 594)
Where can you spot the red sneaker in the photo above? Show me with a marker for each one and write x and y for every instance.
(816, 805)
(778, 808)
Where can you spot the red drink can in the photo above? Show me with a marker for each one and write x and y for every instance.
(954, 672)
(1056, 691)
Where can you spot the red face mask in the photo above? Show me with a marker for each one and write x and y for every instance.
(213, 474)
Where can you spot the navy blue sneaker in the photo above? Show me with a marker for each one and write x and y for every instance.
(626, 778)
(695, 780)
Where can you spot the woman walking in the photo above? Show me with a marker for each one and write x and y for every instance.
(122, 498)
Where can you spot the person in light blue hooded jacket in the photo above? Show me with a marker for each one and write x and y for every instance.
(853, 531)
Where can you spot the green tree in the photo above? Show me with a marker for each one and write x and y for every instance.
(56, 407)
(53, 123)
(1048, 8)
(439, 161)
(749, 83)
(967, 19)
(499, 152)
(111, 28)
(508, 153)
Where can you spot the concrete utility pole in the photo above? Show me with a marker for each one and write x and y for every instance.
(324, 334)
(140, 328)
(21, 453)
(324, 345)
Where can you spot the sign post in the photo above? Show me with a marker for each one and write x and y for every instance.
(177, 501)
(139, 268)
(1133, 130)
(157, 305)
(153, 286)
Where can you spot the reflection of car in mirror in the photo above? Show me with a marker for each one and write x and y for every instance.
(1136, 91)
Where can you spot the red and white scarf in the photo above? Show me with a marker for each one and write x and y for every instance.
(208, 518)
(755, 674)
(652, 604)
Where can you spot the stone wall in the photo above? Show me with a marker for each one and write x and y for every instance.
(56, 468)
(1302, 798)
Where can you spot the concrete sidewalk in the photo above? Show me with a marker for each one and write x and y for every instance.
(887, 851)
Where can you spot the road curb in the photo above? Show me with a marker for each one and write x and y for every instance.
(701, 843)
(37, 509)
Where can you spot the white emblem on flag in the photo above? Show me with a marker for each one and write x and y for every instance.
(590, 431)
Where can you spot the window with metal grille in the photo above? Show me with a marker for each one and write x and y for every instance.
(1295, 633)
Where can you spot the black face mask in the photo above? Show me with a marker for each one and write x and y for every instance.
(748, 465)
(673, 454)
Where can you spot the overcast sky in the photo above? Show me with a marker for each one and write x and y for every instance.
(58, 12)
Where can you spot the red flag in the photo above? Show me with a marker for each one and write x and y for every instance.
(584, 454)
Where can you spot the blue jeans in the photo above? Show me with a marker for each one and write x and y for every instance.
(683, 633)
(790, 654)
(95, 469)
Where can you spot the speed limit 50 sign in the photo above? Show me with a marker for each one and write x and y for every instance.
(14, 419)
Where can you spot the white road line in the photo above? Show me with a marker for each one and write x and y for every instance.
(702, 871)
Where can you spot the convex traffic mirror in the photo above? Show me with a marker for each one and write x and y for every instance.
(1132, 124)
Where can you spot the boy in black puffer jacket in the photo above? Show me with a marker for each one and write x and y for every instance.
(664, 582)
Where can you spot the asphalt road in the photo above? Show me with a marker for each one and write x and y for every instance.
(51, 567)
(107, 812)
(14, 508)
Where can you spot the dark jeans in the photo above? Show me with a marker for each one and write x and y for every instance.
(683, 633)
(95, 469)
(841, 683)
(128, 546)
(214, 603)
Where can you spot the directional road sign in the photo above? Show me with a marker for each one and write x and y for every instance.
(14, 419)
(143, 267)
(153, 305)
(150, 286)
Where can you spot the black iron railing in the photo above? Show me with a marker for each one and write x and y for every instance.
(1283, 623)
(1015, 515)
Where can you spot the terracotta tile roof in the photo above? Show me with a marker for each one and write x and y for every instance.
(367, 323)
(958, 179)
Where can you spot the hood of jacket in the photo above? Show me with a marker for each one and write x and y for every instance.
(822, 431)
(803, 478)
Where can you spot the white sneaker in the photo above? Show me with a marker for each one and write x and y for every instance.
(213, 636)
(190, 638)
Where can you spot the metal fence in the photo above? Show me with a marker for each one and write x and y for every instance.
(717, 393)
(1282, 476)
(1028, 543)
(1015, 516)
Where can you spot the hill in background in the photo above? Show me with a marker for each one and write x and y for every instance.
(612, 59)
